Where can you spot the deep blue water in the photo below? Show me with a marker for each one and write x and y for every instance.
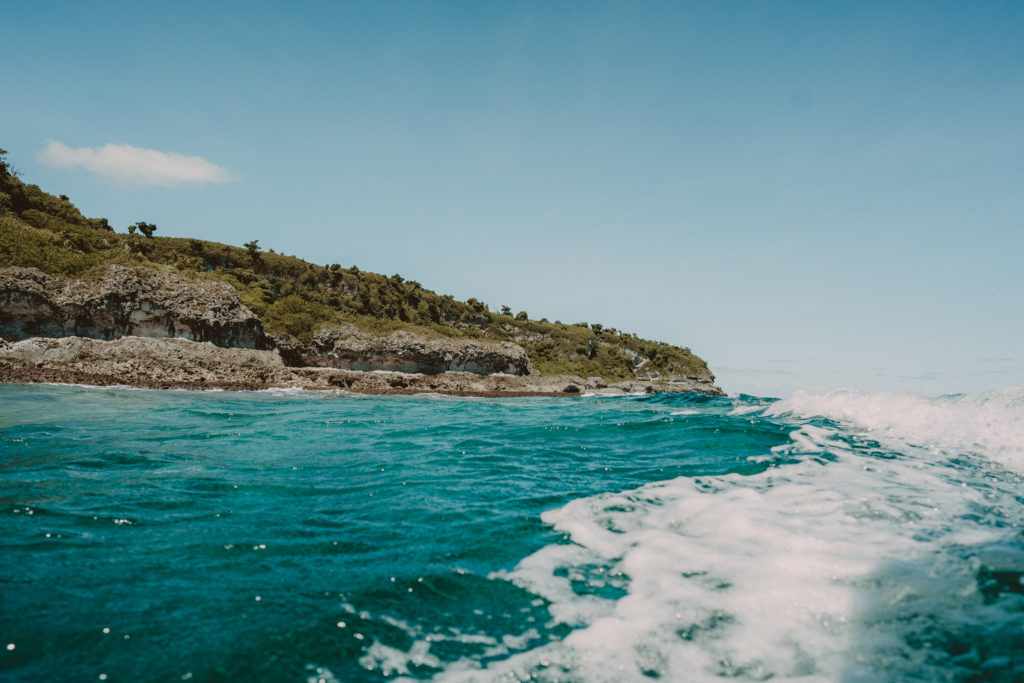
(300, 536)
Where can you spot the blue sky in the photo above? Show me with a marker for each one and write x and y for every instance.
(809, 195)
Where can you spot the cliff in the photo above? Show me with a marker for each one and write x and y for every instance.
(349, 348)
(155, 329)
(125, 302)
(166, 363)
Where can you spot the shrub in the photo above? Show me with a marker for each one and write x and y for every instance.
(296, 316)
(145, 228)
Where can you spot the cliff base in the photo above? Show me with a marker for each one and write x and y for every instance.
(175, 363)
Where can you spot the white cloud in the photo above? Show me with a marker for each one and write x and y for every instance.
(134, 165)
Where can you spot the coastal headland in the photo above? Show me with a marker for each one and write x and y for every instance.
(83, 304)
(161, 330)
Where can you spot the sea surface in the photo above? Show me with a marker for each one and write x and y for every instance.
(296, 536)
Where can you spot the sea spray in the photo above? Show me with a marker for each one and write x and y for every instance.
(989, 424)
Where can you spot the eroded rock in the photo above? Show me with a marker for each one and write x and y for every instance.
(125, 302)
(182, 364)
(349, 348)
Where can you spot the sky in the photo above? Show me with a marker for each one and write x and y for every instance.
(808, 195)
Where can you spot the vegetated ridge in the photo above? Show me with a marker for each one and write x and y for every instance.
(294, 297)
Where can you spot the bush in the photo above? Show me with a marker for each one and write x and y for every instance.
(296, 316)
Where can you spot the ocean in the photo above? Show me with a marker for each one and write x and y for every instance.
(298, 536)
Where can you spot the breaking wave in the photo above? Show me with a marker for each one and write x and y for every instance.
(883, 542)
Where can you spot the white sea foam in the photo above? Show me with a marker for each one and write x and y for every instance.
(88, 386)
(319, 674)
(849, 564)
(296, 391)
(989, 424)
(390, 661)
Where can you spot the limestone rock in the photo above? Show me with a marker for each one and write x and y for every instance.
(293, 351)
(125, 302)
(182, 364)
(140, 361)
(349, 348)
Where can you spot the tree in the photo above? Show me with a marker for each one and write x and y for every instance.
(254, 250)
(521, 315)
(145, 228)
(505, 310)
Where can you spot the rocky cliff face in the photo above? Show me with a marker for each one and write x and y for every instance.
(350, 349)
(181, 364)
(125, 302)
(139, 302)
(136, 326)
(141, 361)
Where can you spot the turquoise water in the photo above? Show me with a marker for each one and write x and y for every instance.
(299, 536)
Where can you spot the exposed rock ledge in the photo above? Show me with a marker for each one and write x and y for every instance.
(348, 348)
(146, 303)
(149, 328)
(122, 302)
(174, 363)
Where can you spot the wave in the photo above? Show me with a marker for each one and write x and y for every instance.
(846, 559)
(989, 424)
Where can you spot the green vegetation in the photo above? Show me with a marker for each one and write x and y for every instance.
(146, 229)
(299, 298)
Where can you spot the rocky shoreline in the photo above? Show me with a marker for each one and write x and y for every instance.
(169, 363)
(160, 330)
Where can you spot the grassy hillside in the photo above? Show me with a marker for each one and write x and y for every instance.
(299, 298)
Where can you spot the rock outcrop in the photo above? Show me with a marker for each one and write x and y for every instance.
(141, 361)
(182, 364)
(125, 302)
(141, 327)
(349, 348)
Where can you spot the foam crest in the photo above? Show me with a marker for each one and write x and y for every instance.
(806, 571)
(989, 424)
